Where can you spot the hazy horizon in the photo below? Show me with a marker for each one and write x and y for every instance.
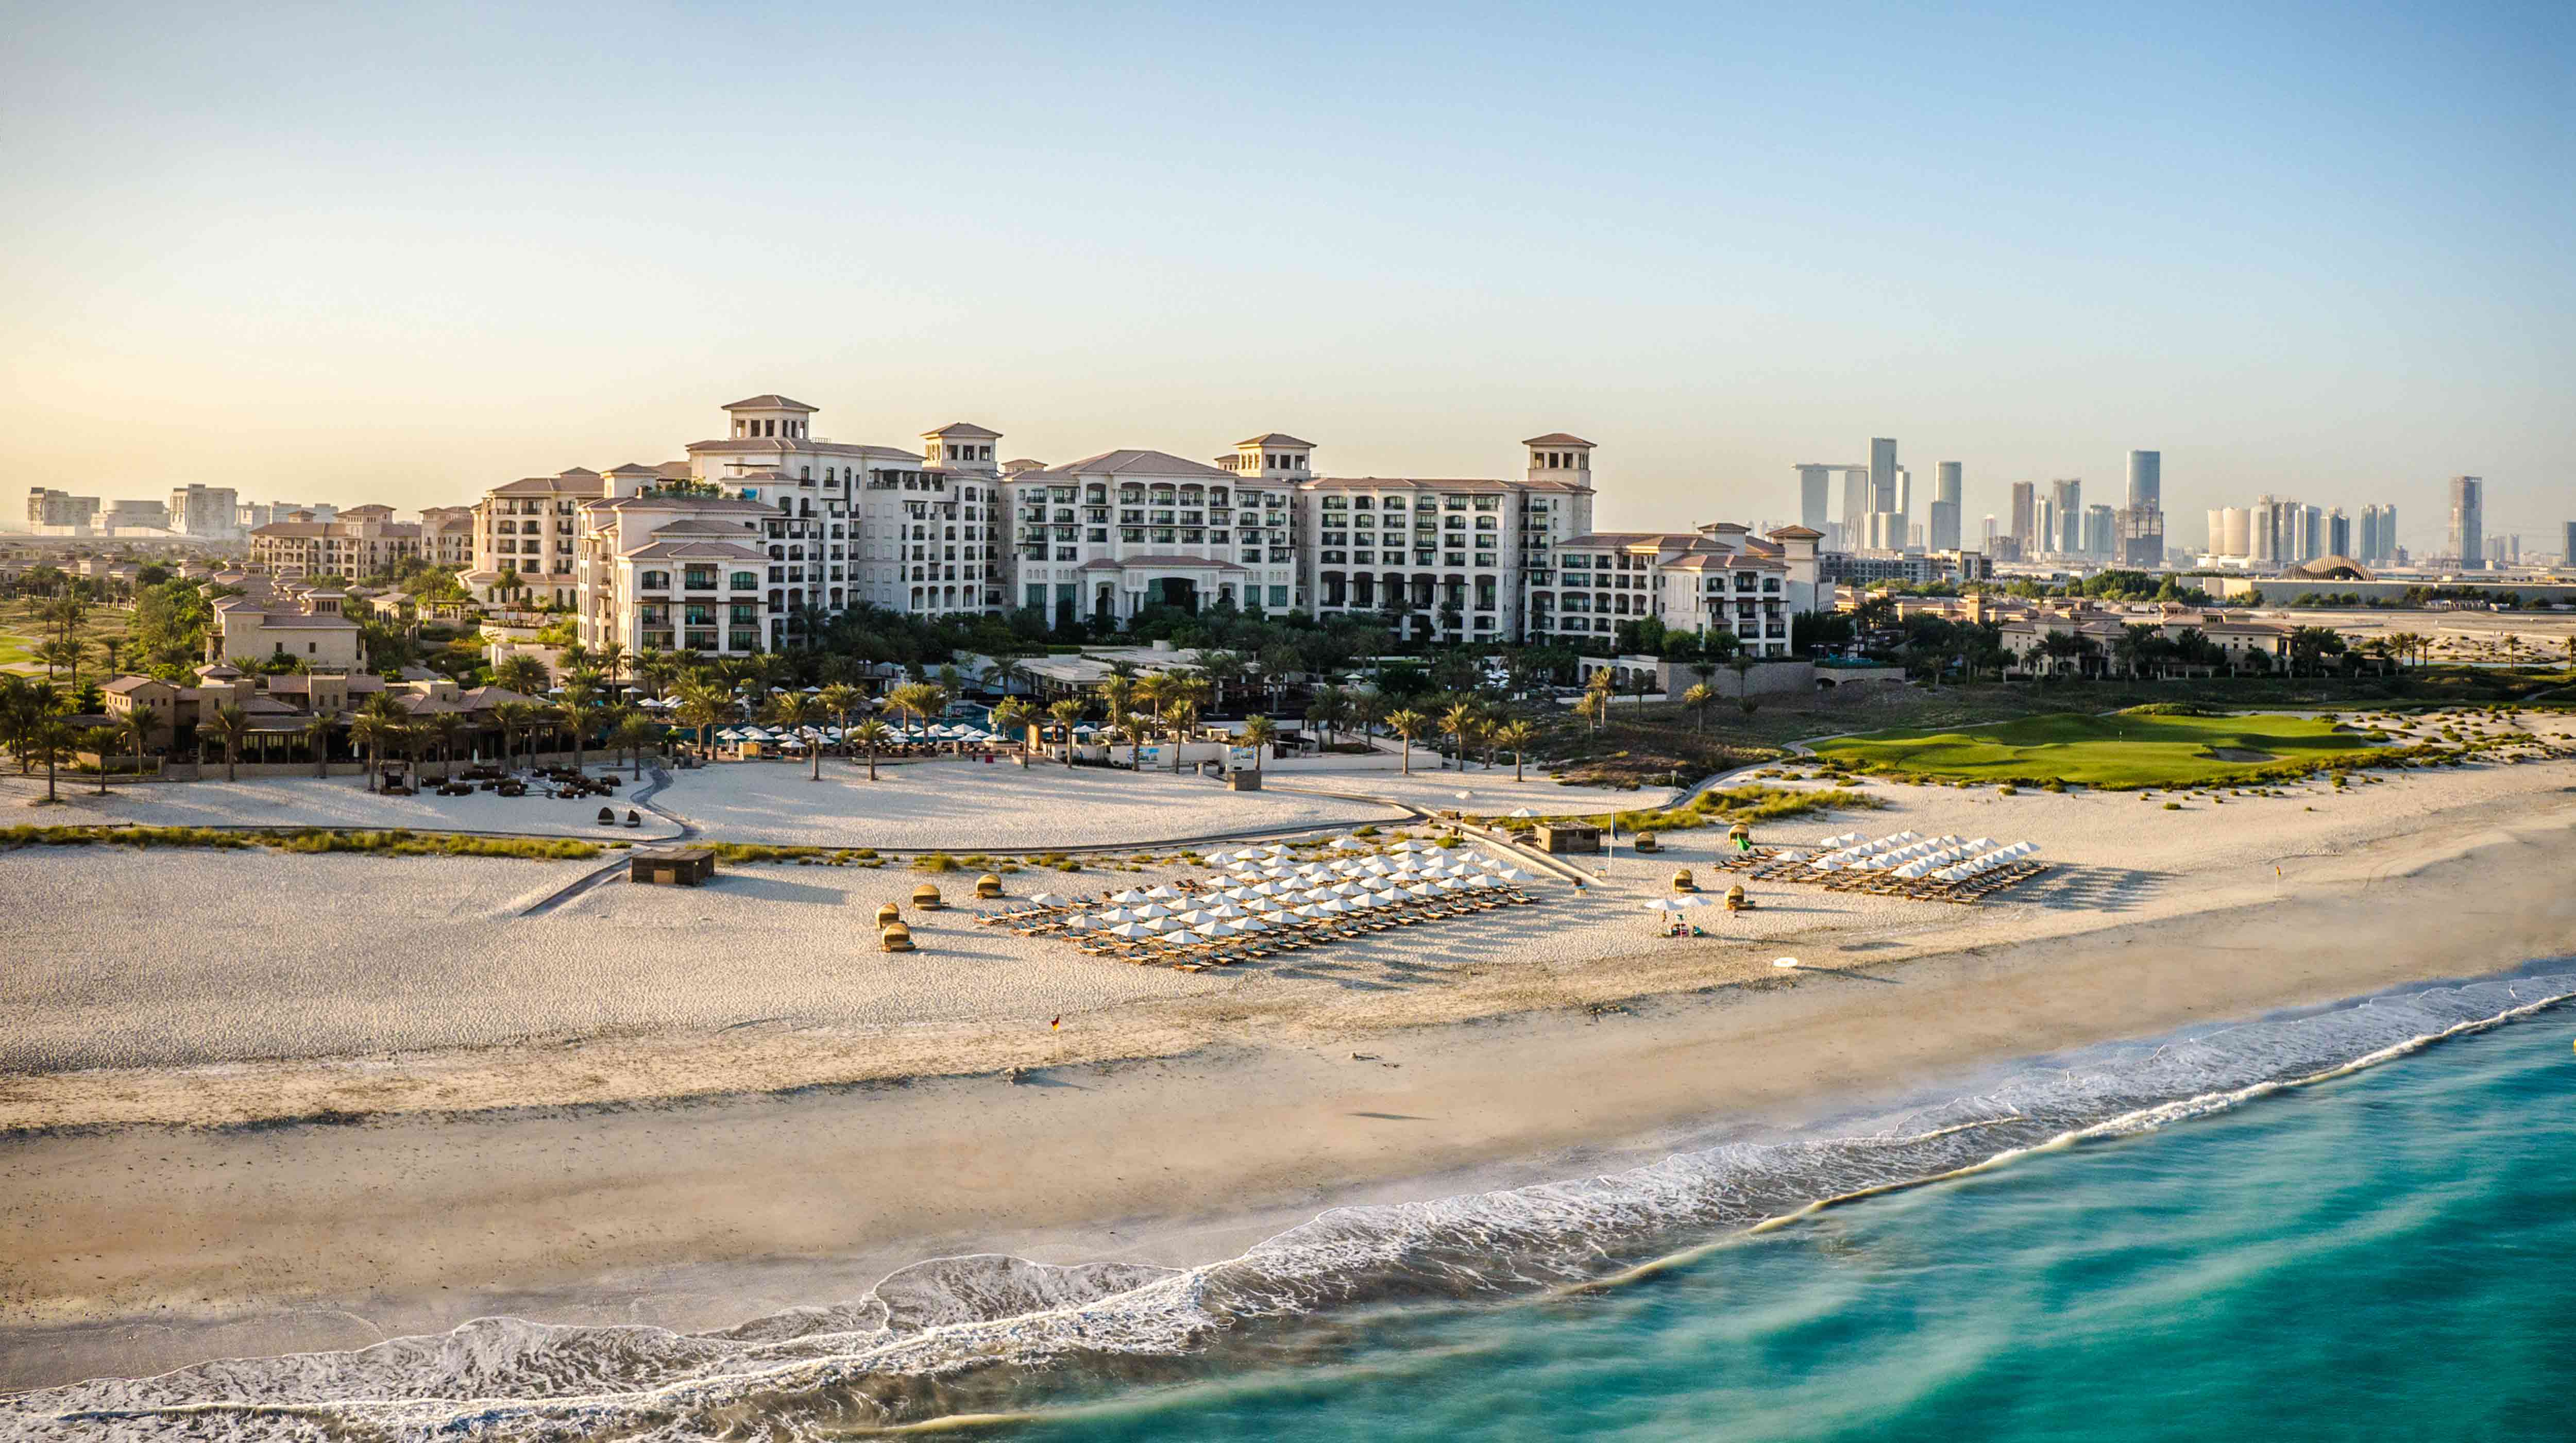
(328, 256)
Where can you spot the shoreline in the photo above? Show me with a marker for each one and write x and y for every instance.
(133, 1249)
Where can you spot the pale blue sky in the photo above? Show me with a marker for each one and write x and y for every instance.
(320, 253)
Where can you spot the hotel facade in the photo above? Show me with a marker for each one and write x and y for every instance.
(764, 533)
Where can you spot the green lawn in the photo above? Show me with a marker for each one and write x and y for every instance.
(2102, 751)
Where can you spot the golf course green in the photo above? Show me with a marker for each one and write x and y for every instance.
(2124, 749)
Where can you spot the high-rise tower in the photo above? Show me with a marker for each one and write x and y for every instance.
(2468, 522)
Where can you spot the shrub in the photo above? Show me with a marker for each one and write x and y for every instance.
(2009, 790)
(2173, 806)
(2054, 785)
(935, 862)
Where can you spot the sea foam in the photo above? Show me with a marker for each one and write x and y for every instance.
(960, 1336)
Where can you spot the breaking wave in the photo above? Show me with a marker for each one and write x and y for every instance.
(966, 1337)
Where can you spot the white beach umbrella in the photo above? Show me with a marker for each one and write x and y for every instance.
(1351, 844)
(1162, 894)
(1235, 894)
(1046, 899)
(1520, 813)
(1485, 881)
(1376, 867)
(1663, 904)
(1252, 924)
(1130, 895)
(1195, 916)
(1510, 874)
(1410, 845)
(1225, 909)
(1345, 889)
(1264, 889)
(1079, 923)
(1132, 930)
(1153, 909)
(1448, 884)
(1378, 884)
(1213, 928)
(1331, 907)
(1113, 916)
(1425, 889)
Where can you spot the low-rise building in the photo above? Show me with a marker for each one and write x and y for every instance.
(272, 617)
(49, 509)
(1720, 578)
(361, 543)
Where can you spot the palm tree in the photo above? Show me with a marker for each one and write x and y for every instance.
(578, 694)
(1594, 707)
(23, 705)
(1460, 721)
(612, 655)
(914, 699)
(1327, 708)
(840, 699)
(1258, 733)
(1184, 715)
(371, 731)
(634, 733)
(873, 735)
(1407, 724)
(231, 727)
(703, 708)
(51, 741)
(1117, 697)
(1366, 708)
(1156, 691)
(1132, 725)
(317, 735)
(134, 729)
(796, 711)
(1067, 714)
(1697, 699)
(523, 674)
(1517, 735)
(447, 728)
(1012, 714)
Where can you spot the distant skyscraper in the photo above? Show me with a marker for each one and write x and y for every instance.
(2044, 528)
(2025, 516)
(1815, 488)
(1855, 512)
(2142, 537)
(1990, 532)
(1904, 492)
(2388, 533)
(2146, 480)
(2310, 531)
(2101, 532)
(2469, 521)
(2338, 533)
(1943, 533)
(2066, 499)
(2369, 536)
(2566, 545)
(1882, 473)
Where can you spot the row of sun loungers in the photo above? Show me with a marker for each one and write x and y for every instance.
(1929, 869)
(1270, 904)
(1191, 953)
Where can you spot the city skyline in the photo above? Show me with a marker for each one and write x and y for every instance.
(1439, 234)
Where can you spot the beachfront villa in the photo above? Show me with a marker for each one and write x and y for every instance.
(363, 541)
(2247, 644)
(281, 708)
(274, 617)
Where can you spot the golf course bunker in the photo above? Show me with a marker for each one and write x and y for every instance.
(2240, 754)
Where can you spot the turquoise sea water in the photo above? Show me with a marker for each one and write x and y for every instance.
(2354, 1221)
(2388, 1254)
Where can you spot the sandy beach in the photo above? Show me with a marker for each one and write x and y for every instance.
(581, 1115)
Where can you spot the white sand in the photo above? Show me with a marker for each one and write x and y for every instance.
(963, 806)
(126, 960)
(324, 802)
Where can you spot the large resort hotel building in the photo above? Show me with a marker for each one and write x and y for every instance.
(764, 532)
